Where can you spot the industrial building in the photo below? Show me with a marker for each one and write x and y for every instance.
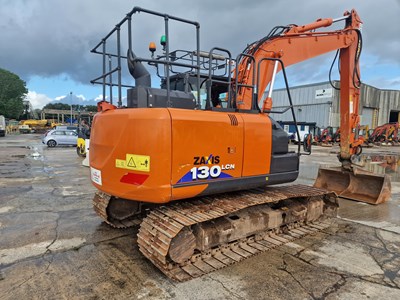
(318, 105)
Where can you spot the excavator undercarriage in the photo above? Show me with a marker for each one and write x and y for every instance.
(191, 238)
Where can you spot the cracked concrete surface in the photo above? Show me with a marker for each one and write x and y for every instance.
(53, 246)
(346, 257)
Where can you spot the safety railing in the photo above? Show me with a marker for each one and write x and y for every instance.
(253, 86)
(212, 80)
(106, 78)
(280, 62)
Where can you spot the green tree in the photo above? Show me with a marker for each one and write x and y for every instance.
(12, 94)
(61, 106)
(37, 112)
(92, 108)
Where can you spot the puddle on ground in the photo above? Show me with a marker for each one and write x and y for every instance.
(381, 164)
(386, 215)
(377, 163)
(35, 154)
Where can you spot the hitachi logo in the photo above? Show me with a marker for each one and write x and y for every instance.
(206, 160)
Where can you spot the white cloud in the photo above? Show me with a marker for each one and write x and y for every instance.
(26, 22)
(83, 98)
(100, 98)
(115, 99)
(59, 98)
(37, 100)
(382, 82)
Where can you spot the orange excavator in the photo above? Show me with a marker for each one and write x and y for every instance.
(193, 162)
(386, 133)
(326, 137)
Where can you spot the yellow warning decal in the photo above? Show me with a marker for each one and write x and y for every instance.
(134, 162)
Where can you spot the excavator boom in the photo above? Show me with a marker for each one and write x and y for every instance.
(299, 43)
(294, 44)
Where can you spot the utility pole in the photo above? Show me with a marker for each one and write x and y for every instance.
(70, 98)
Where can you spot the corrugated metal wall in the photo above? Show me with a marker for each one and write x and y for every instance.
(389, 100)
(311, 105)
(368, 117)
(308, 107)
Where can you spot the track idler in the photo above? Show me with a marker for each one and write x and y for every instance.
(358, 184)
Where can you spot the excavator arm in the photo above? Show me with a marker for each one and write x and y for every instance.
(292, 44)
(295, 44)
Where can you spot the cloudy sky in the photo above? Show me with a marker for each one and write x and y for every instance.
(48, 42)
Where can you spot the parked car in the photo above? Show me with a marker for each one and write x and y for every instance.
(56, 137)
(66, 127)
(2, 126)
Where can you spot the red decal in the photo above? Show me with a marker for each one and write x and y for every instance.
(132, 178)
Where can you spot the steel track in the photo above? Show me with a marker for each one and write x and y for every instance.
(158, 229)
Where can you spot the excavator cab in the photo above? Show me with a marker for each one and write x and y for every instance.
(187, 82)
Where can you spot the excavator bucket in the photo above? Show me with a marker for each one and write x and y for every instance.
(358, 185)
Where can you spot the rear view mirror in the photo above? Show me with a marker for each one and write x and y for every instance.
(307, 142)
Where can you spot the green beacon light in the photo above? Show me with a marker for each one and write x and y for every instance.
(163, 41)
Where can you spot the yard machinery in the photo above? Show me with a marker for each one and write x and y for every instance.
(83, 137)
(32, 125)
(192, 162)
(336, 136)
(325, 137)
(386, 133)
(363, 131)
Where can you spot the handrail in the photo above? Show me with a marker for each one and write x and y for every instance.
(253, 86)
(287, 89)
(210, 80)
(101, 48)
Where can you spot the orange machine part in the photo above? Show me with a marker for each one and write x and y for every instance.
(210, 146)
(145, 132)
(184, 160)
(257, 144)
(300, 43)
